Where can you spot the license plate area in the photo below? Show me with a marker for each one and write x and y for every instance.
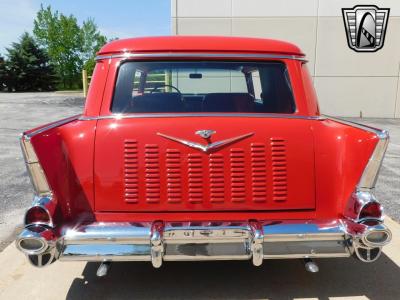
(207, 242)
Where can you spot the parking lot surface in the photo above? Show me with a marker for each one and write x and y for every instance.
(19, 112)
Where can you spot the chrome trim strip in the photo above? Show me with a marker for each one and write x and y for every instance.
(200, 115)
(34, 168)
(380, 133)
(208, 147)
(128, 55)
(52, 125)
(311, 255)
(370, 175)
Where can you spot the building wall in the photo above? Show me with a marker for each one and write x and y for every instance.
(348, 83)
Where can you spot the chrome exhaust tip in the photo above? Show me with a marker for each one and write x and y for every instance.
(36, 239)
(31, 245)
(38, 243)
(376, 236)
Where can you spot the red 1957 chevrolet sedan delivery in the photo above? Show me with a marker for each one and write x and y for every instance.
(202, 148)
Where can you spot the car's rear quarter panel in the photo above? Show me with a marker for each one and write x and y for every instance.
(66, 154)
(341, 155)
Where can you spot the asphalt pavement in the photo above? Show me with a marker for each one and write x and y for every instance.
(19, 112)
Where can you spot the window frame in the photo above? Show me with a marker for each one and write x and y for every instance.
(255, 61)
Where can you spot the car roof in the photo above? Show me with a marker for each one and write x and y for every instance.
(200, 44)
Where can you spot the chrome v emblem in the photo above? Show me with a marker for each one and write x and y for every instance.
(208, 147)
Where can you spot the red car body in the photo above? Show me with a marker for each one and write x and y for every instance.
(108, 184)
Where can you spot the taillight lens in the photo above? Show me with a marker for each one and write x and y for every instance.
(37, 214)
(371, 210)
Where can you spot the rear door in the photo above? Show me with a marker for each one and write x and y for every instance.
(138, 168)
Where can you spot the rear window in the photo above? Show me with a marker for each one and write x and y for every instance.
(165, 87)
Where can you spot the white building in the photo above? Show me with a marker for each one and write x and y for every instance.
(348, 83)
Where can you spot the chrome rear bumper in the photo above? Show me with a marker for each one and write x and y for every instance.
(195, 241)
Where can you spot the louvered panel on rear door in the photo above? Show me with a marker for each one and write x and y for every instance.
(173, 165)
(238, 175)
(226, 179)
(131, 176)
(217, 180)
(258, 173)
(195, 178)
(279, 169)
(152, 173)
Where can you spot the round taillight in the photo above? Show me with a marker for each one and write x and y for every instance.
(371, 210)
(37, 214)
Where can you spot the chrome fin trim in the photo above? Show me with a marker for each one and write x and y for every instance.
(34, 168)
(52, 125)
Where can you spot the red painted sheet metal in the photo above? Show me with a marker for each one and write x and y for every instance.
(201, 44)
(138, 170)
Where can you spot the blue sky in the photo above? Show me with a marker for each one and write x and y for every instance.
(118, 18)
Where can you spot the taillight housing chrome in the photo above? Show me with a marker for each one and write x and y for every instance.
(37, 215)
(363, 206)
(371, 210)
(44, 205)
(42, 212)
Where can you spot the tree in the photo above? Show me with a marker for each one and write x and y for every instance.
(60, 35)
(70, 47)
(27, 67)
(3, 73)
(92, 41)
